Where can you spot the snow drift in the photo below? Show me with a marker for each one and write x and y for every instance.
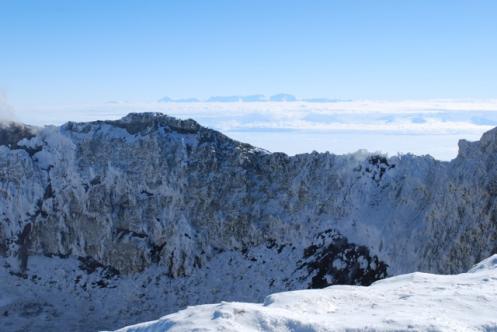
(411, 302)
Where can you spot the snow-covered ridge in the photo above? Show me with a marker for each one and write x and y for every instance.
(411, 302)
(415, 126)
(163, 213)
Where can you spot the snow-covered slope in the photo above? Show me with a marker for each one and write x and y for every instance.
(411, 302)
(162, 213)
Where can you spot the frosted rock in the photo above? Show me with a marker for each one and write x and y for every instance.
(159, 207)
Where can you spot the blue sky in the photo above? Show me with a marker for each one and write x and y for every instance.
(70, 52)
(414, 76)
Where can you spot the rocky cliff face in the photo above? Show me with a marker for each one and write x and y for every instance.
(161, 210)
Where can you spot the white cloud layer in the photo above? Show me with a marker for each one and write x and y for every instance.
(6, 111)
(421, 127)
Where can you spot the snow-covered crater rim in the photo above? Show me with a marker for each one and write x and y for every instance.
(421, 302)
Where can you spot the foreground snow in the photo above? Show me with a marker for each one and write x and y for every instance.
(416, 301)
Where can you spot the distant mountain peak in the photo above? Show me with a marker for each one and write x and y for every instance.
(283, 97)
(165, 100)
(179, 100)
(280, 97)
(234, 99)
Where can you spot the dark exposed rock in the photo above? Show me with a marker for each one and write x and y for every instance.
(12, 133)
(143, 122)
(332, 260)
(90, 265)
(24, 242)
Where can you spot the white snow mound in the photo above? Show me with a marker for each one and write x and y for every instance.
(410, 302)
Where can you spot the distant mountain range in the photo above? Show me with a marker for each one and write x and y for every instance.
(281, 97)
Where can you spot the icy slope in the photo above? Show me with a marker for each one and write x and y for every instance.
(411, 302)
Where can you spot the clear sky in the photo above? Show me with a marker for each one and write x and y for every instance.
(61, 52)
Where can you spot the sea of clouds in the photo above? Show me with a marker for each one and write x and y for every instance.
(420, 127)
(6, 111)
